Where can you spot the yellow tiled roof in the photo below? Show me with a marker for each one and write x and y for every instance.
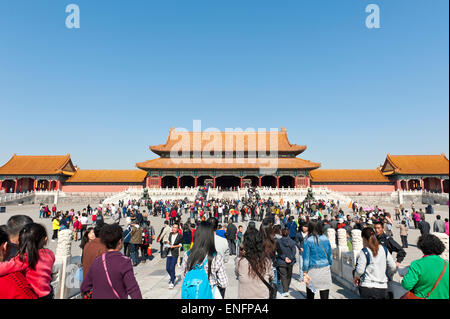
(38, 165)
(348, 175)
(416, 164)
(108, 176)
(227, 141)
(245, 163)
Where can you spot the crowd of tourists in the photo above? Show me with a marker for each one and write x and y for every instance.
(201, 236)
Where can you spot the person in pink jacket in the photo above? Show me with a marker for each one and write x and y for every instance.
(35, 261)
(416, 218)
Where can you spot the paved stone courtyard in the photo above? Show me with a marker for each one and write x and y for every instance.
(153, 278)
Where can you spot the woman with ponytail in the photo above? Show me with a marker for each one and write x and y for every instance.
(35, 261)
(373, 262)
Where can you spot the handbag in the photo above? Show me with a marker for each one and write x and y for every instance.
(149, 250)
(273, 288)
(411, 295)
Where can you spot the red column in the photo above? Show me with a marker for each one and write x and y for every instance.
(214, 182)
(1, 183)
(296, 182)
(442, 186)
(407, 184)
(422, 185)
(195, 181)
(178, 181)
(160, 181)
(241, 182)
(308, 182)
(259, 181)
(58, 185)
(278, 181)
(34, 185)
(147, 182)
(15, 186)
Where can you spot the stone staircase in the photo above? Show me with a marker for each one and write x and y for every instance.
(398, 197)
(299, 194)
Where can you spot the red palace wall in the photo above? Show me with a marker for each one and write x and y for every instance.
(98, 188)
(357, 188)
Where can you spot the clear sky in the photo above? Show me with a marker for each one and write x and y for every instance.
(108, 90)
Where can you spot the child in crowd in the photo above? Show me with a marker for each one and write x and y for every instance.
(13, 285)
(35, 261)
(76, 228)
(55, 227)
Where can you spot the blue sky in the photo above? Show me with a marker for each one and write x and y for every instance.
(106, 91)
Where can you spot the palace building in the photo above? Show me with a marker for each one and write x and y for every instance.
(30, 173)
(226, 159)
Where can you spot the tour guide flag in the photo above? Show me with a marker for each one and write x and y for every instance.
(350, 205)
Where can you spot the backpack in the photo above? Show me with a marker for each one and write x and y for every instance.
(196, 283)
(365, 251)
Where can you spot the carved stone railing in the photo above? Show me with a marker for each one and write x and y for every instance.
(7, 197)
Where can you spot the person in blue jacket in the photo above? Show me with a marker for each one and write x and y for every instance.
(126, 240)
(317, 261)
(292, 226)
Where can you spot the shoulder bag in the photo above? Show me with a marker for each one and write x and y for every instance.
(273, 288)
(411, 295)
(107, 276)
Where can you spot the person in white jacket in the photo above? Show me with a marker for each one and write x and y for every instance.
(373, 266)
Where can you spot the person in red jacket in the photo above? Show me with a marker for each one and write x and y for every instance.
(13, 285)
(32, 259)
(173, 216)
(341, 223)
(76, 228)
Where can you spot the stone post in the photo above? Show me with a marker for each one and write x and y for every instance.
(342, 240)
(357, 244)
(331, 234)
(62, 259)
